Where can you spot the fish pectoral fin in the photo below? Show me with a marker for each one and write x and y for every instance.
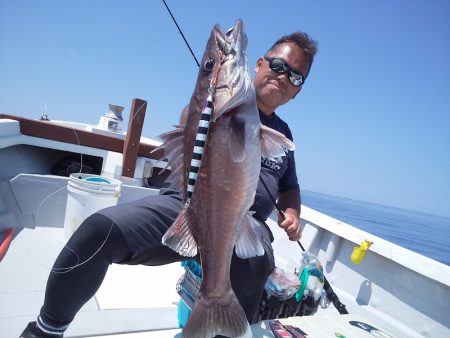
(237, 140)
(274, 145)
(179, 237)
(248, 245)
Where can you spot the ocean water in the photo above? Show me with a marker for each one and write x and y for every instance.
(426, 234)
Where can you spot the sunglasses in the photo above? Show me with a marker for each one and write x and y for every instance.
(278, 65)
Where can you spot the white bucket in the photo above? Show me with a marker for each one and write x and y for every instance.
(88, 194)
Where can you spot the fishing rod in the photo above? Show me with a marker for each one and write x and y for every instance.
(280, 212)
(181, 33)
(332, 296)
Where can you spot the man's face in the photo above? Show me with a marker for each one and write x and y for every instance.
(274, 89)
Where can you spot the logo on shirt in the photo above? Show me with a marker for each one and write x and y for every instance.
(270, 163)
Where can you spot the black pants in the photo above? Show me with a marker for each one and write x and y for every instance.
(82, 265)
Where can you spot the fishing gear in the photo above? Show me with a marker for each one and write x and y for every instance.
(326, 286)
(280, 212)
(199, 145)
(202, 131)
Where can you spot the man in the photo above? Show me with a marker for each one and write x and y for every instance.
(131, 233)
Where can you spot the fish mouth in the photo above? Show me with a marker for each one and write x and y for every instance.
(233, 40)
(232, 83)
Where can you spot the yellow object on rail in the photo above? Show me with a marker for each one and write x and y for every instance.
(359, 252)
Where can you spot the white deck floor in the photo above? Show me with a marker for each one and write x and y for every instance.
(127, 308)
(133, 302)
(322, 326)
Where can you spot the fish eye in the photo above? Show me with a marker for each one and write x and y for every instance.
(209, 64)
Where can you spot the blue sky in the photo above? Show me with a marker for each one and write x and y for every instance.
(372, 122)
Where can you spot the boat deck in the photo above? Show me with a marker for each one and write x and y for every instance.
(133, 302)
(121, 305)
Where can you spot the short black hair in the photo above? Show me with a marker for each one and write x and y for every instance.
(302, 40)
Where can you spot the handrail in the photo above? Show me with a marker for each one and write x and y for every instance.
(48, 130)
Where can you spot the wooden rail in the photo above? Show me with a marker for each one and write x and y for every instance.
(50, 131)
(132, 141)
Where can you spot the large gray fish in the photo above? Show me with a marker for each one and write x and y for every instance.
(216, 219)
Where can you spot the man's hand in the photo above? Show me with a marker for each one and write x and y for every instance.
(289, 201)
(289, 222)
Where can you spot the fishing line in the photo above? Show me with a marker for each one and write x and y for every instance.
(182, 35)
(68, 269)
(77, 264)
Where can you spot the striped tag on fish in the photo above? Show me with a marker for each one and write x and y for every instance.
(199, 146)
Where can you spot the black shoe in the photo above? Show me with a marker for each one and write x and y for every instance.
(32, 331)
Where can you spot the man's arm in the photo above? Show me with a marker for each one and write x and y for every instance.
(289, 202)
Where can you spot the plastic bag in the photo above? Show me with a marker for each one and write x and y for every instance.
(282, 284)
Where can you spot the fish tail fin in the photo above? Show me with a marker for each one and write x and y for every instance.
(217, 316)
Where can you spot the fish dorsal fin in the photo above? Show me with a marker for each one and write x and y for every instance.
(248, 244)
(237, 139)
(173, 146)
(274, 145)
(179, 237)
